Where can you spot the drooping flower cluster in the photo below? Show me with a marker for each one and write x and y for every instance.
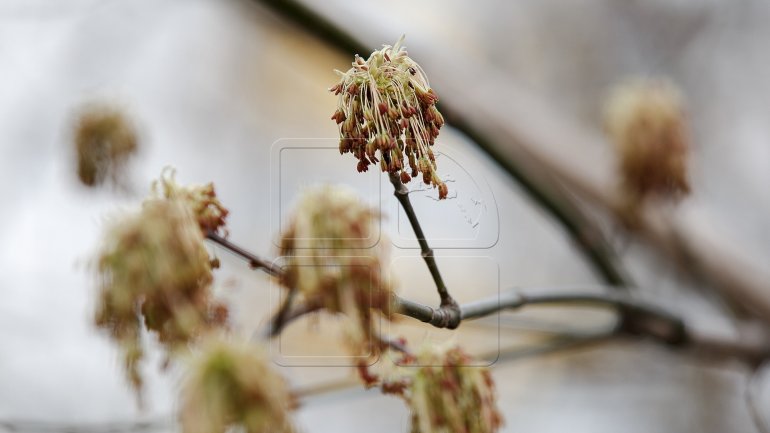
(331, 261)
(233, 385)
(155, 273)
(447, 395)
(646, 121)
(386, 105)
(104, 142)
(201, 199)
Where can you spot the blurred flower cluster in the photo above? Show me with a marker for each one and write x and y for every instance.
(646, 121)
(331, 260)
(104, 142)
(155, 273)
(448, 395)
(233, 385)
(201, 199)
(386, 105)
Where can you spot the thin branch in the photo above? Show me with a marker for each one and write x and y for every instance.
(636, 317)
(549, 195)
(402, 194)
(450, 313)
(279, 320)
(254, 261)
(293, 314)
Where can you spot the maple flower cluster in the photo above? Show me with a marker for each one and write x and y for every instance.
(201, 199)
(386, 110)
(331, 261)
(232, 384)
(155, 272)
(646, 121)
(448, 395)
(104, 142)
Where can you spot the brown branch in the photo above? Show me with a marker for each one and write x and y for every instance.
(254, 261)
(637, 318)
(449, 316)
(280, 318)
(291, 315)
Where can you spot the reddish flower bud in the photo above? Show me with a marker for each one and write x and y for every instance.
(442, 190)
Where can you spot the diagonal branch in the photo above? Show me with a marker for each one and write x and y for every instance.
(278, 320)
(402, 194)
(293, 313)
(450, 313)
(583, 231)
(254, 261)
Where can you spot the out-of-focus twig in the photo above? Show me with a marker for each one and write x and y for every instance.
(584, 232)
(540, 136)
(254, 261)
(291, 314)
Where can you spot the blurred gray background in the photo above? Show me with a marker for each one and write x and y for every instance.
(228, 92)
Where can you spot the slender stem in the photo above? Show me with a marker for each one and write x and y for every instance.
(291, 315)
(584, 232)
(452, 318)
(254, 261)
(638, 317)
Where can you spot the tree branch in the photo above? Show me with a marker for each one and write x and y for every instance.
(254, 261)
(550, 196)
(289, 316)
(279, 320)
(636, 318)
(451, 316)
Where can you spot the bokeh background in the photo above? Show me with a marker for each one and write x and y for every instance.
(229, 92)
